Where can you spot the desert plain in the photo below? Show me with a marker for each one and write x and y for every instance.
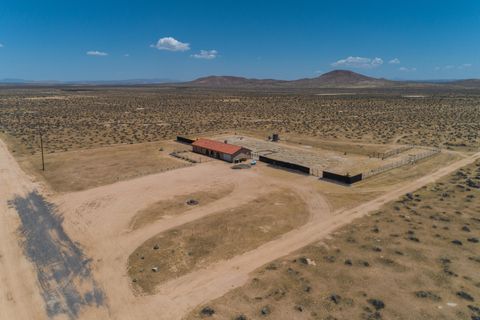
(119, 227)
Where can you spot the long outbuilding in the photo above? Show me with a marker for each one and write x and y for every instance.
(221, 150)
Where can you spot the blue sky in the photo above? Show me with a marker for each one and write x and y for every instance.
(111, 40)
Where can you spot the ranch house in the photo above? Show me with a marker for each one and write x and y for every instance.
(221, 150)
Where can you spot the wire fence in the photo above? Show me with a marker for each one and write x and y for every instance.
(187, 156)
(391, 153)
(410, 160)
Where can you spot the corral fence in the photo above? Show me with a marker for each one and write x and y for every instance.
(284, 164)
(347, 179)
(255, 155)
(412, 159)
(391, 153)
(185, 140)
(317, 172)
(184, 155)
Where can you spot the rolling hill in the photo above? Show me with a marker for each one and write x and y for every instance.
(230, 81)
(336, 78)
(341, 78)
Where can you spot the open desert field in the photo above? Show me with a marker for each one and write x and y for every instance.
(420, 251)
(239, 160)
(92, 117)
(127, 223)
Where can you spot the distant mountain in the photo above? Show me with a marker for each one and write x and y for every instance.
(333, 79)
(230, 81)
(340, 78)
(467, 83)
(88, 82)
(336, 78)
(12, 80)
(125, 82)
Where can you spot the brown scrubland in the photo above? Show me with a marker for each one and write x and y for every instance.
(99, 117)
(174, 235)
(421, 251)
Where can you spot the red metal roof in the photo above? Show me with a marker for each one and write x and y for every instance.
(217, 146)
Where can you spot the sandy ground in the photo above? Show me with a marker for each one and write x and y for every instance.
(206, 284)
(98, 219)
(219, 236)
(77, 170)
(19, 294)
(178, 205)
(419, 251)
(35, 289)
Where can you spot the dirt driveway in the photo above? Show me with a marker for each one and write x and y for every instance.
(100, 220)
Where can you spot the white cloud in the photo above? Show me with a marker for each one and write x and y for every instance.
(1, 45)
(465, 66)
(394, 61)
(405, 69)
(358, 62)
(126, 55)
(97, 53)
(451, 67)
(171, 44)
(206, 54)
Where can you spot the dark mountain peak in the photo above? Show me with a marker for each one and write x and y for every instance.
(226, 81)
(220, 80)
(468, 83)
(332, 79)
(344, 76)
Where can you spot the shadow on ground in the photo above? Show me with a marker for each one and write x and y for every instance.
(63, 271)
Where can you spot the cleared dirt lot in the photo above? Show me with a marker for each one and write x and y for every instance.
(422, 251)
(84, 169)
(219, 236)
(100, 219)
(178, 205)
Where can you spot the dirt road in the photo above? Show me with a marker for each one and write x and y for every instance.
(19, 294)
(204, 285)
(44, 274)
(98, 219)
(178, 296)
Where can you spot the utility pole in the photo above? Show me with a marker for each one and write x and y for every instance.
(41, 147)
